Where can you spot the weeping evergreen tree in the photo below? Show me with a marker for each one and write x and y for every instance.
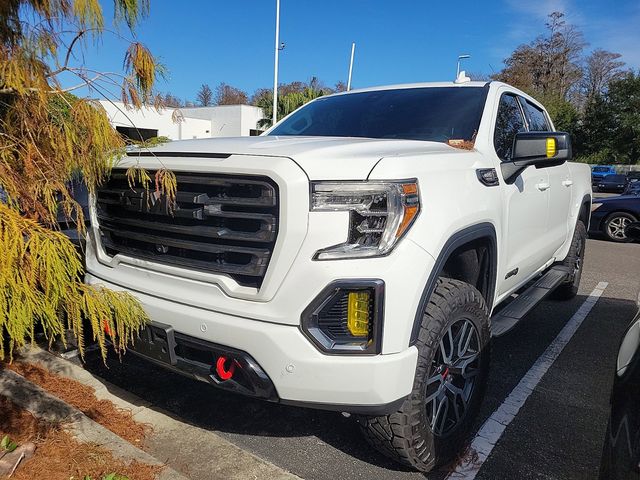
(47, 137)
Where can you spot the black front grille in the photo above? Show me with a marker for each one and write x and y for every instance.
(219, 223)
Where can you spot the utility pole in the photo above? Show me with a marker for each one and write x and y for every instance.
(275, 66)
(353, 51)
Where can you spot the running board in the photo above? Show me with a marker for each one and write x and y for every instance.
(508, 317)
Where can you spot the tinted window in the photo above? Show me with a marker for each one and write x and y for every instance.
(137, 134)
(601, 169)
(436, 114)
(508, 123)
(535, 117)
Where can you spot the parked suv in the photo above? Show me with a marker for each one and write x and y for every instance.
(598, 172)
(613, 183)
(357, 257)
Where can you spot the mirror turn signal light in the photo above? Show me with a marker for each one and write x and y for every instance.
(552, 147)
(358, 313)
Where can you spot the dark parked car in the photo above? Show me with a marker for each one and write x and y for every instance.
(601, 171)
(633, 188)
(634, 175)
(621, 453)
(610, 216)
(613, 183)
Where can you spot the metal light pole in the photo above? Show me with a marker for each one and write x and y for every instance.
(275, 65)
(353, 51)
(460, 57)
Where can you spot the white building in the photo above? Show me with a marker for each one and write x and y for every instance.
(184, 123)
(228, 120)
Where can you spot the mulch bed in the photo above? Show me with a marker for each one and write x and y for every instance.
(82, 397)
(58, 455)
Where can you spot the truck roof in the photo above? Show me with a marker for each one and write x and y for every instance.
(417, 85)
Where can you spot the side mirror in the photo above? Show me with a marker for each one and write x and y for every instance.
(632, 231)
(541, 149)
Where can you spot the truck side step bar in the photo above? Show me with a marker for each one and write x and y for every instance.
(509, 316)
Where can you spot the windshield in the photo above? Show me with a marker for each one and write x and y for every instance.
(615, 178)
(438, 114)
(601, 169)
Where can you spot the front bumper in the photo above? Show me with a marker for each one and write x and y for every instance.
(300, 373)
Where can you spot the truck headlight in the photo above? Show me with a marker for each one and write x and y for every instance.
(380, 214)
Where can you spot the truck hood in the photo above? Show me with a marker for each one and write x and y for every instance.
(322, 158)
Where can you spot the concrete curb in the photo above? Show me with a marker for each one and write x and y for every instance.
(49, 408)
(201, 454)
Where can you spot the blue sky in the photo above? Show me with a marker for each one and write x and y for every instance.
(213, 41)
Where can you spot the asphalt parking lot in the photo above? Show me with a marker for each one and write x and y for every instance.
(557, 434)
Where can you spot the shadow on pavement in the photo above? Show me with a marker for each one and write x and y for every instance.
(297, 439)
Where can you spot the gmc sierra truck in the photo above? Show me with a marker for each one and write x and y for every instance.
(357, 257)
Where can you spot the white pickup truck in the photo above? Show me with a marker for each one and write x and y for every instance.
(358, 256)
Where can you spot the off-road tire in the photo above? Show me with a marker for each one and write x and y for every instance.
(406, 435)
(574, 261)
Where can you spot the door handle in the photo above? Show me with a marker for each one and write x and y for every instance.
(567, 183)
(542, 186)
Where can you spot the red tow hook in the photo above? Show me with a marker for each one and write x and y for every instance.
(221, 370)
(106, 327)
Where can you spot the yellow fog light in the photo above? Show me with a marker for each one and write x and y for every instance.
(358, 314)
(552, 148)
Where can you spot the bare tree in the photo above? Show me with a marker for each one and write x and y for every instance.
(293, 87)
(522, 68)
(601, 68)
(550, 65)
(204, 96)
(259, 95)
(340, 86)
(479, 76)
(562, 51)
(171, 101)
(228, 95)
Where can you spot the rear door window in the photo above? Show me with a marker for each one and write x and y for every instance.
(536, 118)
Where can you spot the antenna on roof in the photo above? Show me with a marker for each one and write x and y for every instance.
(353, 52)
